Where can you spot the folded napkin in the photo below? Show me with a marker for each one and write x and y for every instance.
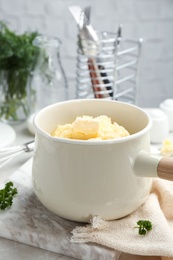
(121, 234)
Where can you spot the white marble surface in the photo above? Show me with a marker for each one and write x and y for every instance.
(11, 249)
(29, 222)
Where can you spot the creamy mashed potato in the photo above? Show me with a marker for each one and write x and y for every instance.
(167, 148)
(87, 128)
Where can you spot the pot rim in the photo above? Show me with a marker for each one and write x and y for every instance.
(93, 141)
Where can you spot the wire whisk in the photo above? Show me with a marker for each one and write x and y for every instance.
(9, 153)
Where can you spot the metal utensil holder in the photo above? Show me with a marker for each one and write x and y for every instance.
(127, 56)
(113, 72)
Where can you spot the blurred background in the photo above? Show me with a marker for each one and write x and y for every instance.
(150, 19)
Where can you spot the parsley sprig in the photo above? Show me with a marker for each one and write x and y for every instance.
(144, 226)
(6, 195)
(17, 59)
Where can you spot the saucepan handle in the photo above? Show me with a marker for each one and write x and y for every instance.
(165, 169)
(148, 165)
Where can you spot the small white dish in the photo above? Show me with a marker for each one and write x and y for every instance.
(7, 135)
(167, 107)
(160, 125)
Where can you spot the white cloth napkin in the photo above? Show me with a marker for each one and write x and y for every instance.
(121, 234)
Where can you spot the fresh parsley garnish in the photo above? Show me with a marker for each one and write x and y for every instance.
(144, 226)
(6, 195)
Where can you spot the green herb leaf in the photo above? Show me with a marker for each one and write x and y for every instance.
(16, 51)
(144, 226)
(6, 195)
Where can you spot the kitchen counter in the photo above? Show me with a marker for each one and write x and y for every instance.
(13, 250)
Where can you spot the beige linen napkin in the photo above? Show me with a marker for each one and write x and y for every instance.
(121, 234)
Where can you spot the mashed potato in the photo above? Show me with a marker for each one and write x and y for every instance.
(167, 148)
(87, 128)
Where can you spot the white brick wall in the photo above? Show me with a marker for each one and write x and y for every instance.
(149, 19)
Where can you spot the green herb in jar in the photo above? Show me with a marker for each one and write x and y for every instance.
(17, 59)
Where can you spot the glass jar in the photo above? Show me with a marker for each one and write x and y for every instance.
(49, 82)
(15, 95)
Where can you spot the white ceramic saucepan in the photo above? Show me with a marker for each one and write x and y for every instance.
(78, 179)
